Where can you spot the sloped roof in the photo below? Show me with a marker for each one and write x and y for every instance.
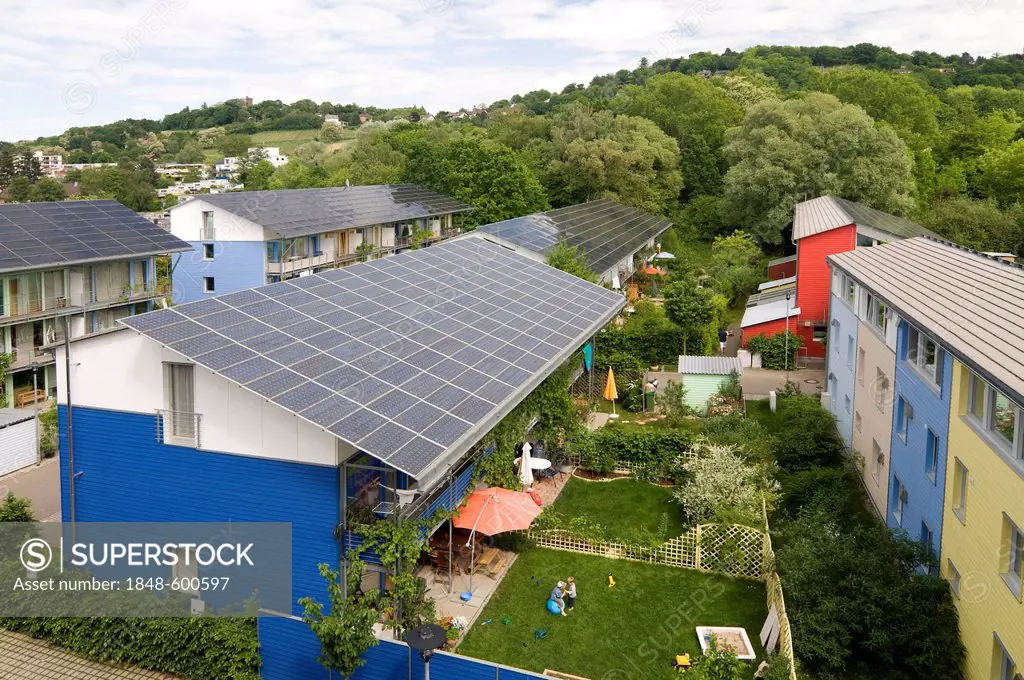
(768, 311)
(13, 416)
(62, 233)
(299, 212)
(605, 231)
(973, 305)
(714, 365)
(826, 213)
(411, 358)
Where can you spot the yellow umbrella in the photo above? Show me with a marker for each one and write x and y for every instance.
(610, 393)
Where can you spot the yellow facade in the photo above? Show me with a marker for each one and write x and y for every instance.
(976, 546)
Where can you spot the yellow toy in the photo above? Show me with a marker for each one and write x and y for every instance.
(681, 662)
(611, 581)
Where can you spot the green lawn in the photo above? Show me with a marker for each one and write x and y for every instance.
(636, 627)
(622, 506)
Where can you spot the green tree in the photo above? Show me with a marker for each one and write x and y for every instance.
(977, 224)
(234, 144)
(899, 100)
(47, 189)
(488, 176)
(693, 309)
(737, 265)
(598, 154)
(1002, 173)
(331, 132)
(570, 259)
(190, 153)
(345, 632)
(15, 509)
(257, 177)
(20, 189)
(373, 159)
(788, 151)
(696, 114)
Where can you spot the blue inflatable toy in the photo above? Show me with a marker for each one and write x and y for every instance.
(554, 608)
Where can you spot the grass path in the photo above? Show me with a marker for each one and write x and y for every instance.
(630, 631)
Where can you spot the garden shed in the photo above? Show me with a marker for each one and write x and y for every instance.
(703, 376)
(17, 439)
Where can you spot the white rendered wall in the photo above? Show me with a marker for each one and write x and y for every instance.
(123, 371)
(187, 222)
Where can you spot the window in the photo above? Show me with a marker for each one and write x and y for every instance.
(996, 415)
(926, 538)
(960, 477)
(881, 386)
(860, 367)
(849, 404)
(273, 251)
(858, 421)
(931, 455)
(849, 352)
(835, 336)
(849, 289)
(207, 251)
(899, 500)
(1013, 560)
(314, 242)
(877, 314)
(953, 574)
(179, 389)
(878, 461)
(820, 333)
(1005, 668)
(924, 355)
(209, 285)
(833, 387)
(904, 413)
(208, 231)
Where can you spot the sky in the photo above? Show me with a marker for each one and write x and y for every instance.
(70, 63)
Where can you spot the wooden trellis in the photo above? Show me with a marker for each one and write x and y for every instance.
(728, 549)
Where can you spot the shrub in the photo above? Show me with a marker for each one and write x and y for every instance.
(721, 482)
(772, 349)
(718, 663)
(603, 448)
(15, 509)
(806, 436)
(778, 668)
(752, 440)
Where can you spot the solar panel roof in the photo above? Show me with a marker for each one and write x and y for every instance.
(37, 235)
(605, 230)
(298, 212)
(411, 358)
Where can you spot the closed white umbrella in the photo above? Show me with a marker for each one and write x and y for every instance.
(525, 473)
(664, 256)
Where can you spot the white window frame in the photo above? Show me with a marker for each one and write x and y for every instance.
(961, 472)
(877, 461)
(1012, 450)
(953, 575)
(898, 503)
(931, 443)
(209, 285)
(848, 403)
(917, 352)
(861, 360)
(875, 309)
(882, 387)
(858, 422)
(851, 348)
(904, 414)
(849, 290)
(836, 327)
(1007, 669)
(209, 252)
(1012, 571)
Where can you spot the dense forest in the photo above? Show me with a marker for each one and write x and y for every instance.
(716, 142)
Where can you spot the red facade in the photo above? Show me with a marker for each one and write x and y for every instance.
(783, 270)
(814, 282)
(768, 328)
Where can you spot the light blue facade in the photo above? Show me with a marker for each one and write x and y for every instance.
(236, 265)
(918, 457)
(842, 364)
(123, 474)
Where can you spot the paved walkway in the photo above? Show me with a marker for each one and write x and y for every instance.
(41, 485)
(758, 382)
(26, 658)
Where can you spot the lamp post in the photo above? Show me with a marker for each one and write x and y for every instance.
(35, 408)
(426, 640)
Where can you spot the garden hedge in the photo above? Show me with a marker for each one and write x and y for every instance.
(601, 449)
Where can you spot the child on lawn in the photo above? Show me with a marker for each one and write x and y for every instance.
(556, 596)
(570, 594)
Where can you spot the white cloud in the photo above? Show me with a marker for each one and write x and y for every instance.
(149, 57)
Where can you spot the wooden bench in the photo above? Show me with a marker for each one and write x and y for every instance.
(30, 396)
(497, 565)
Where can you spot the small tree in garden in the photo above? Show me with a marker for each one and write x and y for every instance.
(772, 349)
(719, 481)
(718, 663)
(346, 631)
(571, 260)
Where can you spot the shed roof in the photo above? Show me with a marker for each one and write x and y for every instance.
(604, 230)
(713, 365)
(826, 213)
(13, 416)
(411, 358)
(972, 304)
(768, 311)
(299, 212)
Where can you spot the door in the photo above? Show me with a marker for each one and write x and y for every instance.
(13, 297)
(342, 244)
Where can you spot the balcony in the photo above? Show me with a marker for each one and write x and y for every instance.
(20, 307)
(144, 291)
(178, 428)
(295, 264)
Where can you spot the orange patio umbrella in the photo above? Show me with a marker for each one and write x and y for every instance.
(610, 391)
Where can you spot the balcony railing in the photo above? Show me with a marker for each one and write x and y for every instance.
(142, 291)
(299, 263)
(17, 307)
(179, 428)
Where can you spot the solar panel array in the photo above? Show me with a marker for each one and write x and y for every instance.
(34, 235)
(299, 212)
(401, 357)
(605, 230)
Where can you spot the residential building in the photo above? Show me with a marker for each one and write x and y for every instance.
(841, 360)
(821, 227)
(315, 400)
(269, 153)
(52, 165)
(89, 262)
(247, 239)
(960, 316)
(608, 233)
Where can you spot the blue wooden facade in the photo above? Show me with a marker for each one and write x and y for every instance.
(918, 454)
(236, 265)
